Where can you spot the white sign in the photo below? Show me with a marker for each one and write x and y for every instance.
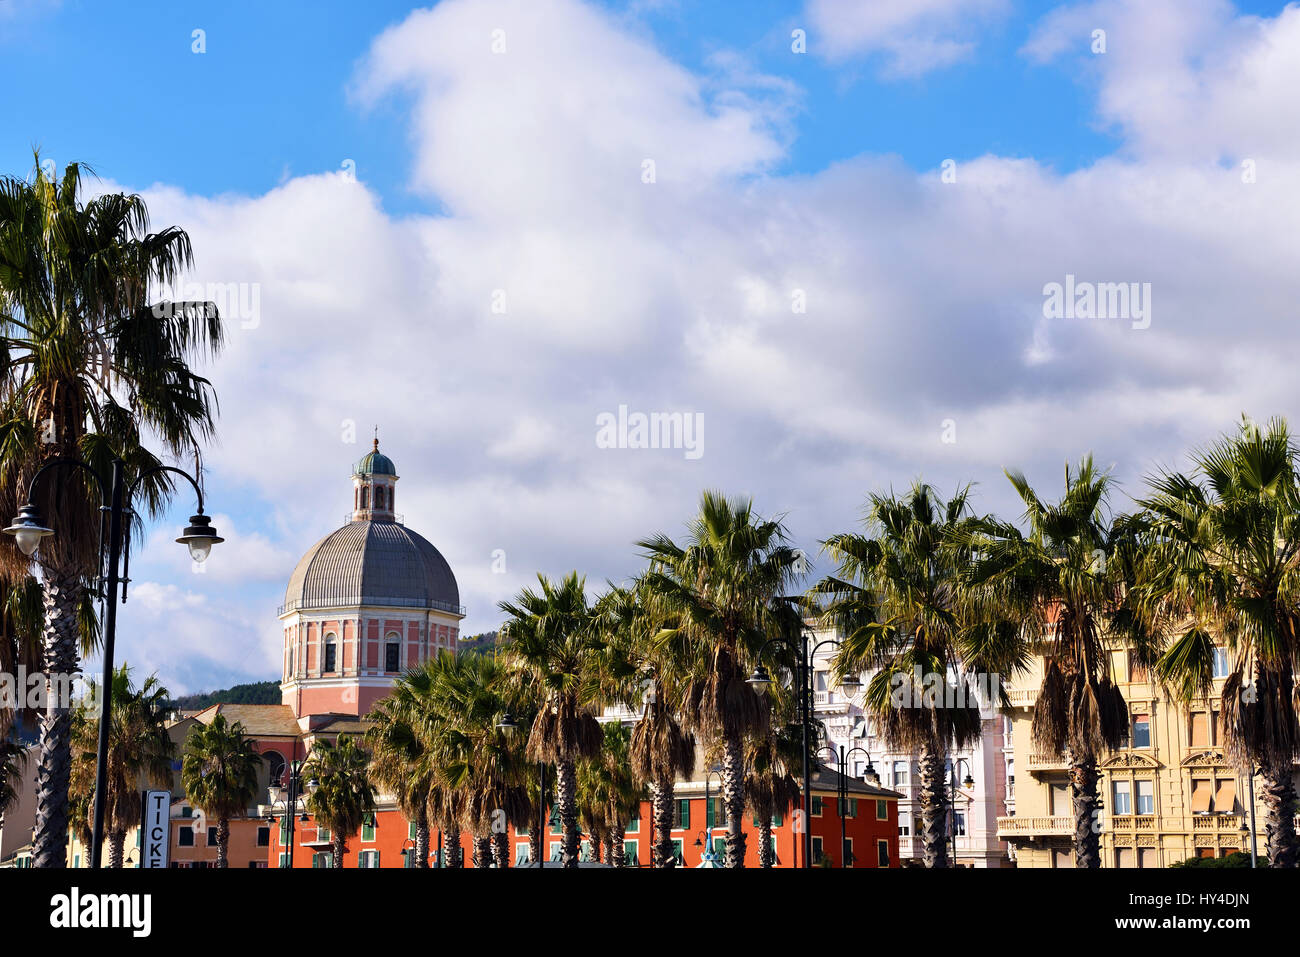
(157, 828)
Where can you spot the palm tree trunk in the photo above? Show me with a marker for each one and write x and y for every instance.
(422, 839)
(223, 842)
(451, 845)
(1087, 809)
(733, 798)
(116, 842)
(765, 854)
(1279, 828)
(662, 809)
(336, 844)
(50, 845)
(535, 839)
(482, 856)
(934, 807)
(566, 796)
(617, 846)
(500, 849)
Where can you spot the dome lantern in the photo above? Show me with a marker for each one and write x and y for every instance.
(374, 481)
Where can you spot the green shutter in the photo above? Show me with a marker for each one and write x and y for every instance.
(683, 814)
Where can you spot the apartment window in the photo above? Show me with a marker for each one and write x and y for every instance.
(816, 806)
(330, 659)
(633, 825)
(714, 813)
(682, 819)
(849, 808)
(882, 810)
(1200, 729)
(185, 837)
(1147, 857)
(677, 852)
(283, 860)
(256, 865)
(1141, 731)
(1146, 797)
(1137, 672)
(1122, 799)
(904, 823)
(392, 654)
(557, 854)
(411, 828)
(322, 861)
(1202, 796)
(630, 856)
(959, 823)
(816, 850)
(847, 851)
(556, 827)
(263, 837)
(720, 848)
(900, 774)
(369, 859)
(212, 837)
(187, 811)
(1220, 662)
(1225, 796)
(368, 828)
(1124, 857)
(882, 853)
(284, 830)
(522, 855)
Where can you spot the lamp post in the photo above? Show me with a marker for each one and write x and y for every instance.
(29, 528)
(1254, 846)
(760, 680)
(968, 782)
(842, 789)
(508, 726)
(293, 772)
(708, 810)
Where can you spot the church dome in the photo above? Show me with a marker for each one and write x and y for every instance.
(373, 563)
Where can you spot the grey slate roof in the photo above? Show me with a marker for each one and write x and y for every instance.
(372, 563)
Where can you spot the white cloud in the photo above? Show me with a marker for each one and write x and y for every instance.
(913, 36)
(924, 303)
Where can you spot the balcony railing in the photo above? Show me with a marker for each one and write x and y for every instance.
(1035, 826)
(1046, 762)
(1023, 697)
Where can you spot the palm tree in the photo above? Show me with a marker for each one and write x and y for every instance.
(898, 600)
(646, 673)
(13, 758)
(400, 759)
(77, 334)
(139, 753)
(219, 773)
(1222, 560)
(719, 594)
(772, 760)
(554, 656)
(487, 767)
(1064, 582)
(343, 798)
(611, 794)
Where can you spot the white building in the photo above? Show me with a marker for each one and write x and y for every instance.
(989, 763)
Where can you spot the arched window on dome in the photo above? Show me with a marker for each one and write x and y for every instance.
(379, 496)
(330, 653)
(365, 497)
(393, 654)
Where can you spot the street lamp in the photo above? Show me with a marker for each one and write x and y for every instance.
(842, 789)
(508, 726)
(290, 804)
(761, 681)
(968, 782)
(29, 529)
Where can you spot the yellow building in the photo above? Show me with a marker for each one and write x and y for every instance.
(1168, 794)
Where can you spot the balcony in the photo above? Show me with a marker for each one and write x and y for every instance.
(1013, 827)
(1046, 762)
(1023, 697)
(1133, 822)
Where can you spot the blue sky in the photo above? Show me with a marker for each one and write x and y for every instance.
(270, 98)
(780, 175)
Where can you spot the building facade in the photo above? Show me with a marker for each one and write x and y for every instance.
(1168, 794)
